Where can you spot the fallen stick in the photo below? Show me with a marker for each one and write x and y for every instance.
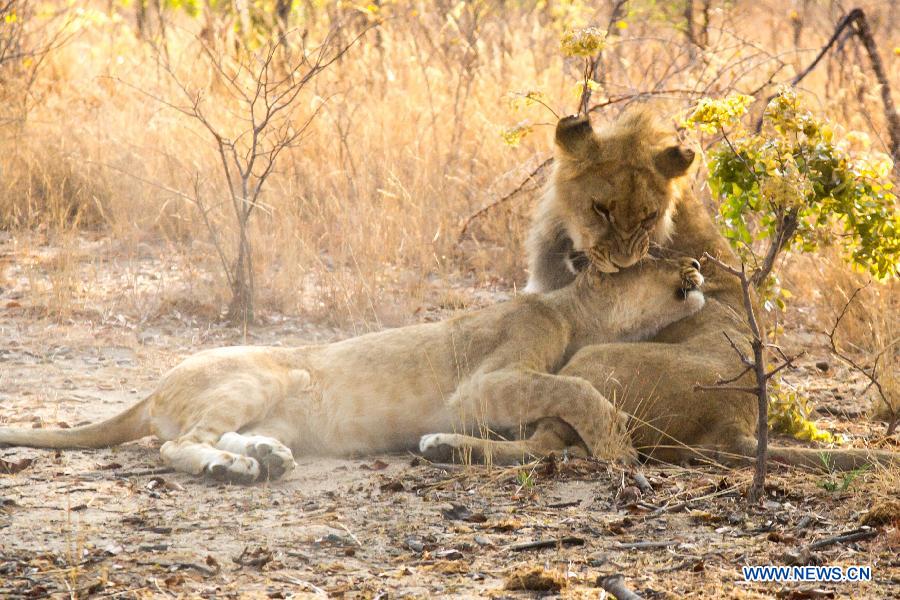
(564, 504)
(863, 533)
(305, 585)
(615, 585)
(143, 472)
(178, 566)
(673, 508)
(540, 544)
(646, 545)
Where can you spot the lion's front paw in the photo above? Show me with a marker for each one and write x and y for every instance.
(691, 278)
(599, 257)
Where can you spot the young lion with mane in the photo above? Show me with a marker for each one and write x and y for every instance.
(653, 382)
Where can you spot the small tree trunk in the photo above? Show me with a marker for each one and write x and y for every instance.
(689, 28)
(890, 110)
(240, 309)
(140, 17)
(703, 34)
(758, 488)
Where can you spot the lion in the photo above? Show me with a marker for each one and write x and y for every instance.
(239, 414)
(655, 382)
(611, 193)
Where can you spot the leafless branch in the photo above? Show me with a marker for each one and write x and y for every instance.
(856, 22)
(535, 174)
(870, 374)
(788, 362)
(722, 387)
(746, 361)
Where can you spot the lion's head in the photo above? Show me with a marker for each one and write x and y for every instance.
(612, 189)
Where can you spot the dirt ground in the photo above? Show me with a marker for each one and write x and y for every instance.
(113, 523)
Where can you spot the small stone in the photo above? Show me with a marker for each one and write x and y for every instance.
(414, 544)
(823, 366)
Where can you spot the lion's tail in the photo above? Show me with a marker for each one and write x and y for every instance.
(829, 459)
(833, 459)
(131, 424)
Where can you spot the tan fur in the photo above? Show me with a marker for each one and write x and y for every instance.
(238, 413)
(612, 192)
(653, 382)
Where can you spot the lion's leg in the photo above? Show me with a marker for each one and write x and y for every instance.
(209, 444)
(512, 398)
(549, 436)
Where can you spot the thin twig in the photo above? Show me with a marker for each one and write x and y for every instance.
(541, 544)
(519, 188)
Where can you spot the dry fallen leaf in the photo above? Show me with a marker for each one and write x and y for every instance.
(378, 465)
(505, 525)
(9, 467)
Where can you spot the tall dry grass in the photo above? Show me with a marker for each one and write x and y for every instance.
(864, 316)
(361, 220)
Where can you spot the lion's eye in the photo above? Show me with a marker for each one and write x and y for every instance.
(650, 219)
(601, 210)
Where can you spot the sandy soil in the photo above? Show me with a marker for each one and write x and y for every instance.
(112, 523)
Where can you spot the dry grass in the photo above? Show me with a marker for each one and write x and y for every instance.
(366, 211)
(870, 328)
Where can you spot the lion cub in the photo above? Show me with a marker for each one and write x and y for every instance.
(239, 413)
(612, 192)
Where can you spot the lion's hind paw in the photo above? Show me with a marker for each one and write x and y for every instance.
(233, 468)
(439, 447)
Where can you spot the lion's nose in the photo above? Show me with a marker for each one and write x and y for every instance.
(695, 263)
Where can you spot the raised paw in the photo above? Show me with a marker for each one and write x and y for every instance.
(691, 278)
(599, 257)
(233, 468)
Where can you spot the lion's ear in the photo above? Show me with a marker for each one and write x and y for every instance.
(674, 161)
(574, 134)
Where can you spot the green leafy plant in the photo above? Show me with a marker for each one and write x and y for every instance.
(835, 484)
(525, 479)
(789, 413)
(797, 185)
